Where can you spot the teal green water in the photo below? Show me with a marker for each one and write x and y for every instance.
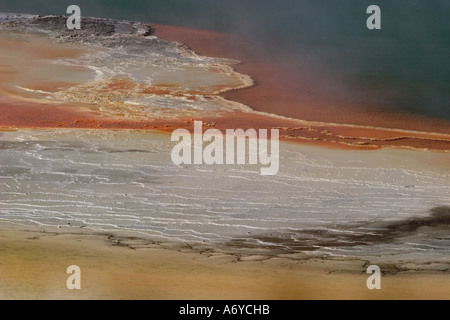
(404, 66)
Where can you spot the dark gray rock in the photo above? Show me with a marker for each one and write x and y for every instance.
(56, 25)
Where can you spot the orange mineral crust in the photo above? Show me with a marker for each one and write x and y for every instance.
(31, 115)
(274, 97)
(280, 93)
(276, 92)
